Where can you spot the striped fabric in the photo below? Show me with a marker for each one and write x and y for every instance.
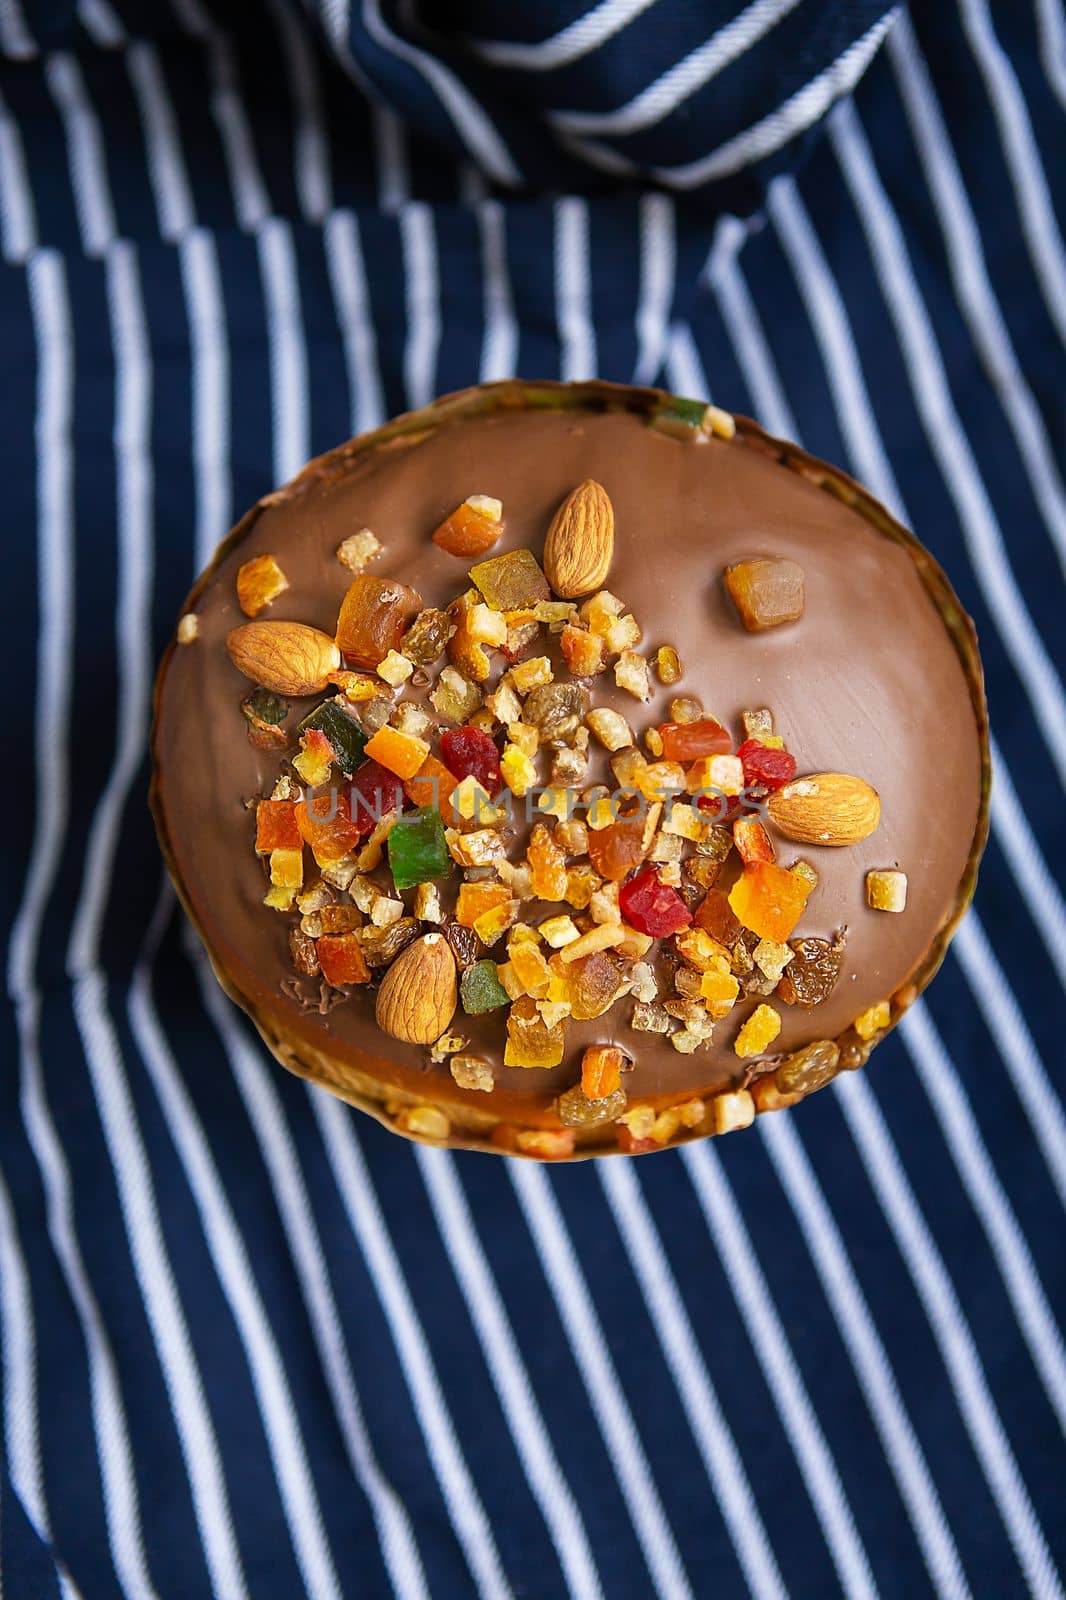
(253, 1346)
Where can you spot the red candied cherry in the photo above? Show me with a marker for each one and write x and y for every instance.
(375, 792)
(470, 752)
(651, 906)
(766, 766)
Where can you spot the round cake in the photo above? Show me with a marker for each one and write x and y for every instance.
(567, 769)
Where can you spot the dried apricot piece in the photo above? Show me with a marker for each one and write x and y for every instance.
(475, 899)
(601, 1071)
(259, 582)
(374, 617)
(769, 900)
(472, 528)
(766, 591)
(687, 741)
(752, 841)
(276, 827)
(401, 753)
(616, 850)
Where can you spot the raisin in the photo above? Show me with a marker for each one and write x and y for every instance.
(464, 942)
(812, 973)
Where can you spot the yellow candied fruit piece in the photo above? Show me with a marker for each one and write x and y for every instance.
(631, 674)
(530, 1042)
(684, 821)
(701, 951)
(395, 669)
(428, 1122)
(547, 865)
(559, 931)
(640, 1120)
(259, 582)
(474, 803)
(760, 1030)
(287, 869)
(550, 1144)
(600, 610)
(667, 665)
(555, 803)
(886, 889)
(472, 1072)
(772, 957)
(603, 937)
(600, 813)
(517, 770)
(661, 779)
(804, 870)
(401, 753)
(731, 1111)
(314, 762)
(874, 1020)
(719, 992)
(581, 884)
(358, 549)
(492, 924)
(531, 674)
(509, 979)
(530, 968)
(279, 899)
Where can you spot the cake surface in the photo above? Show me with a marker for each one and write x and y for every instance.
(868, 681)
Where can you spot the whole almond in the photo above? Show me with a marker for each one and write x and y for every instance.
(830, 808)
(287, 657)
(580, 543)
(418, 994)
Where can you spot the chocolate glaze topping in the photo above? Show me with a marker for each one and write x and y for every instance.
(867, 682)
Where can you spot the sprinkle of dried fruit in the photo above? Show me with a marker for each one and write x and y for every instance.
(886, 889)
(259, 581)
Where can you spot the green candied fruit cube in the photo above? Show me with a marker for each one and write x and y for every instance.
(481, 990)
(418, 849)
(511, 582)
(343, 732)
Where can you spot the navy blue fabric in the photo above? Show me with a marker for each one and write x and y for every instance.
(252, 1344)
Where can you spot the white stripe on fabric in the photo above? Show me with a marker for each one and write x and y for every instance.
(351, 298)
(251, 200)
(684, 370)
(500, 342)
(209, 355)
(390, 139)
(663, 96)
(101, 24)
(1015, 1045)
(745, 330)
(579, 38)
(473, 125)
(590, 1346)
(16, 40)
(952, 1333)
(17, 221)
(780, 1367)
(166, 167)
(1038, 889)
(867, 1353)
(764, 137)
(573, 290)
(288, 355)
(422, 299)
(969, 274)
(532, 1440)
(85, 153)
(1051, 29)
(314, 182)
(263, 1106)
(472, 1527)
(1020, 151)
(225, 1245)
(1008, 1244)
(658, 272)
(51, 317)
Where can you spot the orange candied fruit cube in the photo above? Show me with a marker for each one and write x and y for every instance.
(585, 653)
(259, 582)
(530, 968)
(476, 898)
(688, 741)
(432, 785)
(276, 827)
(547, 865)
(769, 900)
(601, 1071)
(752, 841)
(340, 955)
(719, 991)
(325, 823)
(401, 753)
(549, 1144)
(468, 531)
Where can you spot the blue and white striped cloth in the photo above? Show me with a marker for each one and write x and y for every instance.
(253, 1346)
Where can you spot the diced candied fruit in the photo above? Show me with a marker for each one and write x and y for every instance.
(769, 900)
(480, 988)
(374, 616)
(874, 1020)
(520, 636)
(472, 1072)
(464, 649)
(631, 674)
(346, 738)
(651, 906)
(765, 767)
(325, 823)
(585, 653)
(558, 931)
(687, 741)
(732, 1111)
(339, 919)
(576, 1110)
(758, 725)
(530, 968)
(358, 549)
(600, 610)
(615, 850)
(417, 848)
(547, 1144)
(432, 785)
(340, 955)
(395, 669)
(886, 889)
(471, 804)
(685, 708)
(719, 991)
(266, 711)
(517, 770)
(772, 958)
(427, 636)
(667, 665)
(375, 793)
(581, 883)
(276, 826)
(259, 581)
(547, 864)
(701, 950)
(602, 937)
(315, 759)
(287, 868)
(511, 582)
(715, 916)
(601, 1071)
(766, 591)
(493, 924)
(401, 753)
(530, 1042)
(804, 870)
(812, 973)
(470, 752)
(610, 728)
(426, 1122)
(471, 529)
(455, 697)
(476, 898)
(592, 983)
(524, 738)
(279, 899)
(760, 1030)
(752, 841)
(531, 674)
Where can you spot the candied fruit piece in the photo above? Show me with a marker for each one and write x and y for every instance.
(752, 841)
(511, 582)
(875, 1019)
(417, 848)
(395, 669)
(264, 706)
(715, 916)
(476, 898)
(616, 850)
(315, 759)
(651, 906)
(455, 697)
(530, 1042)
(765, 767)
(432, 785)
(480, 989)
(276, 827)
(631, 674)
(517, 770)
(766, 591)
(769, 900)
(530, 968)
(601, 1071)
(547, 864)
(346, 738)
(592, 983)
(259, 581)
(667, 665)
(472, 1072)
(359, 548)
(610, 728)
(701, 950)
(340, 955)
(401, 753)
(287, 868)
(465, 649)
(374, 616)
(687, 741)
(585, 653)
(325, 823)
(470, 752)
(375, 793)
(339, 919)
(886, 889)
(427, 636)
(718, 991)
(472, 527)
(547, 1144)
(812, 973)
(576, 1110)
(808, 1069)
(760, 1030)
